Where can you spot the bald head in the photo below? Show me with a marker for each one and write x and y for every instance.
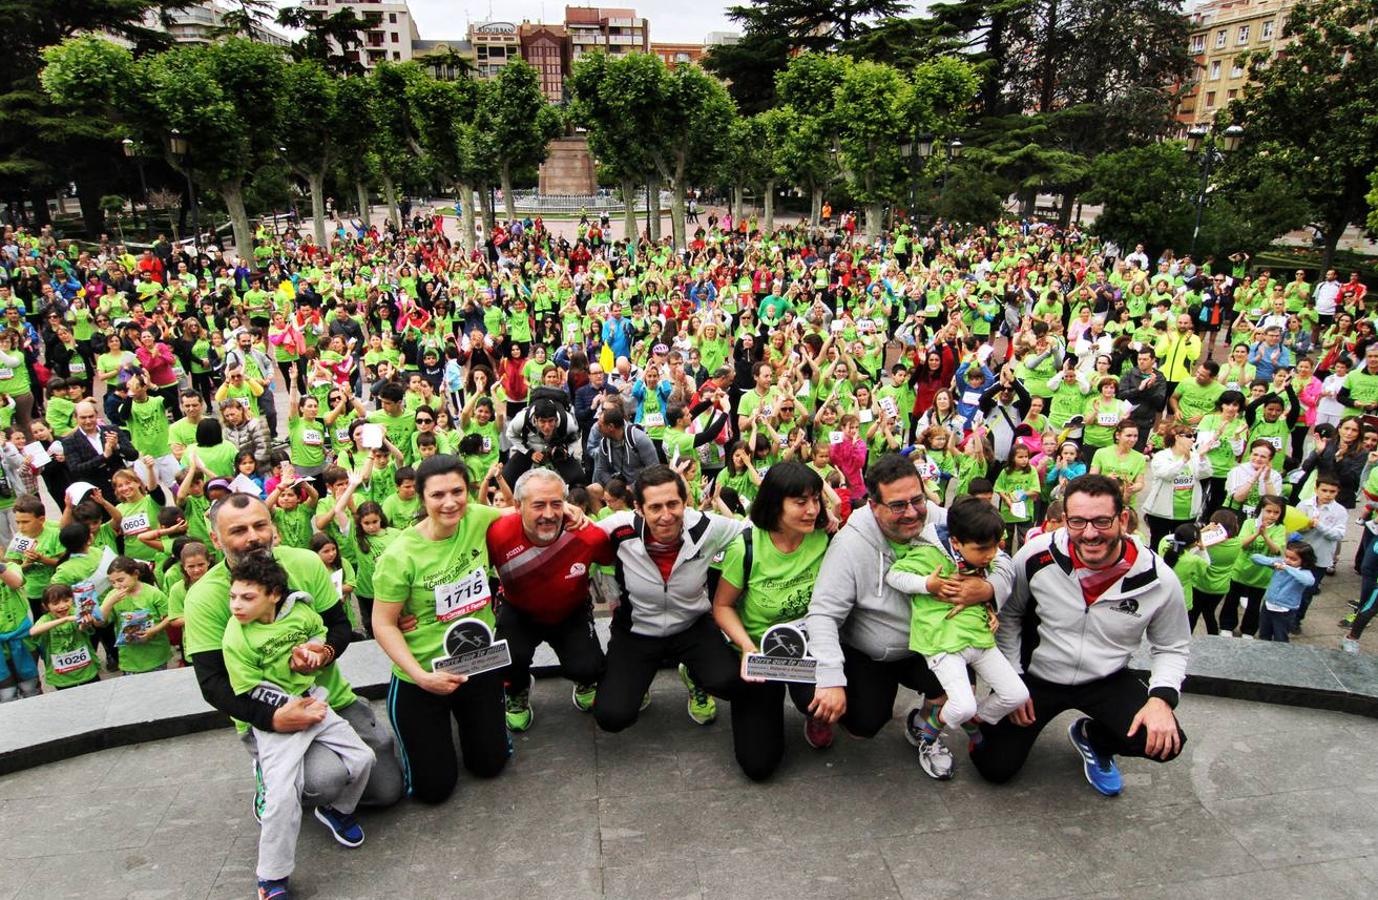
(86, 417)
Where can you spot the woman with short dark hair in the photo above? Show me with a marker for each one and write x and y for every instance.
(767, 579)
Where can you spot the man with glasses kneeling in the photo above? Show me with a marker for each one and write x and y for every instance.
(1084, 598)
(859, 626)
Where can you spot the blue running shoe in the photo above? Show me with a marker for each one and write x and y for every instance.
(342, 825)
(275, 889)
(1101, 770)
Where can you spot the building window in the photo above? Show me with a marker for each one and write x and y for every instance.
(1198, 43)
(1243, 35)
(1266, 31)
(1210, 99)
(1220, 39)
(394, 37)
(1236, 71)
(396, 54)
(392, 18)
(1231, 94)
(1215, 70)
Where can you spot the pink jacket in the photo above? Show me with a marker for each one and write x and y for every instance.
(158, 364)
(1309, 396)
(850, 459)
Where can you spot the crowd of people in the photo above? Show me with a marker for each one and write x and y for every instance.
(945, 452)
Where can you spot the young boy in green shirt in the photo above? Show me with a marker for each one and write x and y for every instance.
(951, 638)
(64, 643)
(268, 630)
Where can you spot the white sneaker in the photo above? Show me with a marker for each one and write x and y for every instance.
(1349, 645)
(935, 760)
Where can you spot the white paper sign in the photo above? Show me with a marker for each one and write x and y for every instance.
(371, 436)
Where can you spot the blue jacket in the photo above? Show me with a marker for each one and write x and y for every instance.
(1288, 585)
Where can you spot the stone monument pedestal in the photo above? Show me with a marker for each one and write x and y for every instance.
(568, 169)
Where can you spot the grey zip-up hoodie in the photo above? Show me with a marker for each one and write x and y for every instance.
(1074, 643)
(852, 604)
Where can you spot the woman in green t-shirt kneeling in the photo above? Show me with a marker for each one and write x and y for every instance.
(768, 586)
(437, 572)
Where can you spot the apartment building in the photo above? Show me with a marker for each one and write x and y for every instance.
(391, 33)
(613, 31)
(1221, 32)
(673, 54)
(546, 48)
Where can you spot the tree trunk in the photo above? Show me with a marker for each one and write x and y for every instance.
(390, 195)
(1333, 233)
(1064, 214)
(465, 193)
(653, 208)
(737, 192)
(509, 203)
(629, 209)
(92, 216)
(677, 213)
(38, 196)
(1048, 70)
(875, 215)
(361, 189)
(769, 225)
(816, 206)
(485, 202)
(316, 182)
(232, 193)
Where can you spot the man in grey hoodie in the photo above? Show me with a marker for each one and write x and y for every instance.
(859, 626)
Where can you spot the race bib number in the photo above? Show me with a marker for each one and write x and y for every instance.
(312, 438)
(77, 367)
(459, 598)
(865, 416)
(136, 523)
(6, 374)
(971, 398)
(1108, 419)
(654, 420)
(72, 661)
(1184, 482)
(889, 407)
(487, 444)
(19, 545)
(1275, 441)
(836, 437)
(767, 410)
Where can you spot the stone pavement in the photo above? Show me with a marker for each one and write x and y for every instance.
(1266, 801)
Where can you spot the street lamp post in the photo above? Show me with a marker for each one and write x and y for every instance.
(131, 151)
(1201, 139)
(918, 153)
(178, 146)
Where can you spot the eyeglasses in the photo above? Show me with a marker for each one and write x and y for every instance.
(899, 506)
(1100, 523)
(424, 421)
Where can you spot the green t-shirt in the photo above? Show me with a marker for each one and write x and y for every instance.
(138, 516)
(62, 415)
(182, 432)
(401, 513)
(1126, 468)
(437, 581)
(258, 652)
(781, 583)
(1275, 433)
(1234, 437)
(68, 655)
(294, 526)
(368, 561)
(1023, 487)
(1216, 579)
(399, 428)
(1190, 570)
(1195, 400)
(149, 606)
(1363, 390)
(1245, 570)
(37, 575)
(148, 427)
(195, 508)
(930, 629)
(218, 459)
(307, 440)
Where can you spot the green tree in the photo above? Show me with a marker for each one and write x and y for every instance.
(689, 126)
(393, 148)
(616, 100)
(439, 123)
(334, 41)
(773, 30)
(207, 94)
(1311, 111)
(311, 125)
(808, 88)
(523, 125)
(773, 128)
(43, 146)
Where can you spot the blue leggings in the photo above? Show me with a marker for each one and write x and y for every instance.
(16, 660)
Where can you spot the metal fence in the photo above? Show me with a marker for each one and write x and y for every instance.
(603, 201)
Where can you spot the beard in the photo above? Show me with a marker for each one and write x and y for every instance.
(255, 546)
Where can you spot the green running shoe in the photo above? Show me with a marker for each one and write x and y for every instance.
(583, 696)
(519, 713)
(703, 709)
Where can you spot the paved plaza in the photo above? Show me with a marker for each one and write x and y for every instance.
(1266, 801)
